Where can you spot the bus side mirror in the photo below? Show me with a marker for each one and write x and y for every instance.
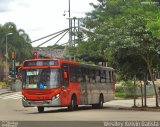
(65, 75)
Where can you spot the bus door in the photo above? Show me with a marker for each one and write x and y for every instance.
(65, 83)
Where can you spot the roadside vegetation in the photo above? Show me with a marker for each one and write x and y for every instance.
(126, 34)
(126, 89)
(17, 41)
(3, 84)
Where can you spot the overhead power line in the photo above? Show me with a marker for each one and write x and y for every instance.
(53, 37)
(61, 37)
(50, 35)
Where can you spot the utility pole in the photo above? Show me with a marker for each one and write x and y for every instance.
(74, 27)
(14, 65)
(69, 8)
(7, 54)
(70, 23)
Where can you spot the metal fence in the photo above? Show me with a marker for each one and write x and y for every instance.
(139, 92)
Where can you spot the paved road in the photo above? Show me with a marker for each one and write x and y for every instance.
(11, 109)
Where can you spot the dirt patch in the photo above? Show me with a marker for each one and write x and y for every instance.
(145, 109)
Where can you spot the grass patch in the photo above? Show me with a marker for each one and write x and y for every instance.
(120, 94)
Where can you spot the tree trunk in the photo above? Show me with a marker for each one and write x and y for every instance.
(149, 67)
(145, 92)
(134, 91)
(150, 73)
(141, 92)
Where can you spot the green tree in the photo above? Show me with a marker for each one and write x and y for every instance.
(129, 30)
(18, 42)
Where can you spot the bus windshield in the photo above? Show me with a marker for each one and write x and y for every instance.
(40, 78)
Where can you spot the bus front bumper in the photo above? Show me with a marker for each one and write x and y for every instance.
(44, 103)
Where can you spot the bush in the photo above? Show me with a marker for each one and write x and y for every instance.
(119, 89)
(2, 84)
(126, 90)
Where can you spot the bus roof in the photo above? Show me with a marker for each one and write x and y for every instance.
(96, 66)
(71, 62)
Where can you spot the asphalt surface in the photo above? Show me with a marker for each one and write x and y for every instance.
(11, 110)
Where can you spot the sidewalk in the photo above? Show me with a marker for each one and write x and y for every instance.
(127, 104)
(5, 90)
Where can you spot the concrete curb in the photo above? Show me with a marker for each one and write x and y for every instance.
(145, 109)
(5, 91)
(152, 109)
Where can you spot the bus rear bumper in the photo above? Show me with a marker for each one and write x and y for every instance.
(44, 103)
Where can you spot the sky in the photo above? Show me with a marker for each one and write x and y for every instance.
(42, 17)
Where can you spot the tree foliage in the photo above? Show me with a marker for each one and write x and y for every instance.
(129, 30)
(18, 42)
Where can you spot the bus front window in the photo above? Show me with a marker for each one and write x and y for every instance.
(41, 78)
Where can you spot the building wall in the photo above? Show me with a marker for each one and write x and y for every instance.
(49, 52)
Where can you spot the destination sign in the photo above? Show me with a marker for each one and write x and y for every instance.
(41, 63)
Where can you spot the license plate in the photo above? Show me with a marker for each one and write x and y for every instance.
(39, 102)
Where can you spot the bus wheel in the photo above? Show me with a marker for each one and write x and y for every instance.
(100, 104)
(73, 104)
(94, 106)
(40, 109)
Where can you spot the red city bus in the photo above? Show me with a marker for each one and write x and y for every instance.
(63, 83)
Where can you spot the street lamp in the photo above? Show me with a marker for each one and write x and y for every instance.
(7, 52)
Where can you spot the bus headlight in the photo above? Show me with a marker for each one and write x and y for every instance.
(23, 97)
(55, 97)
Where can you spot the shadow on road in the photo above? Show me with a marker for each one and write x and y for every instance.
(80, 108)
(65, 109)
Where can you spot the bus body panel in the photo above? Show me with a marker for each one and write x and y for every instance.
(66, 94)
(40, 94)
(90, 93)
(83, 93)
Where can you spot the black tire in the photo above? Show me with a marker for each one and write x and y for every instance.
(101, 101)
(99, 105)
(73, 105)
(40, 109)
(94, 106)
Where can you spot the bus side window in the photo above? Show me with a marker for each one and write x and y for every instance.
(97, 76)
(74, 73)
(87, 75)
(103, 76)
(65, 81)
(93, 75)
(107, 77)
(110, 77)
(82, 75)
